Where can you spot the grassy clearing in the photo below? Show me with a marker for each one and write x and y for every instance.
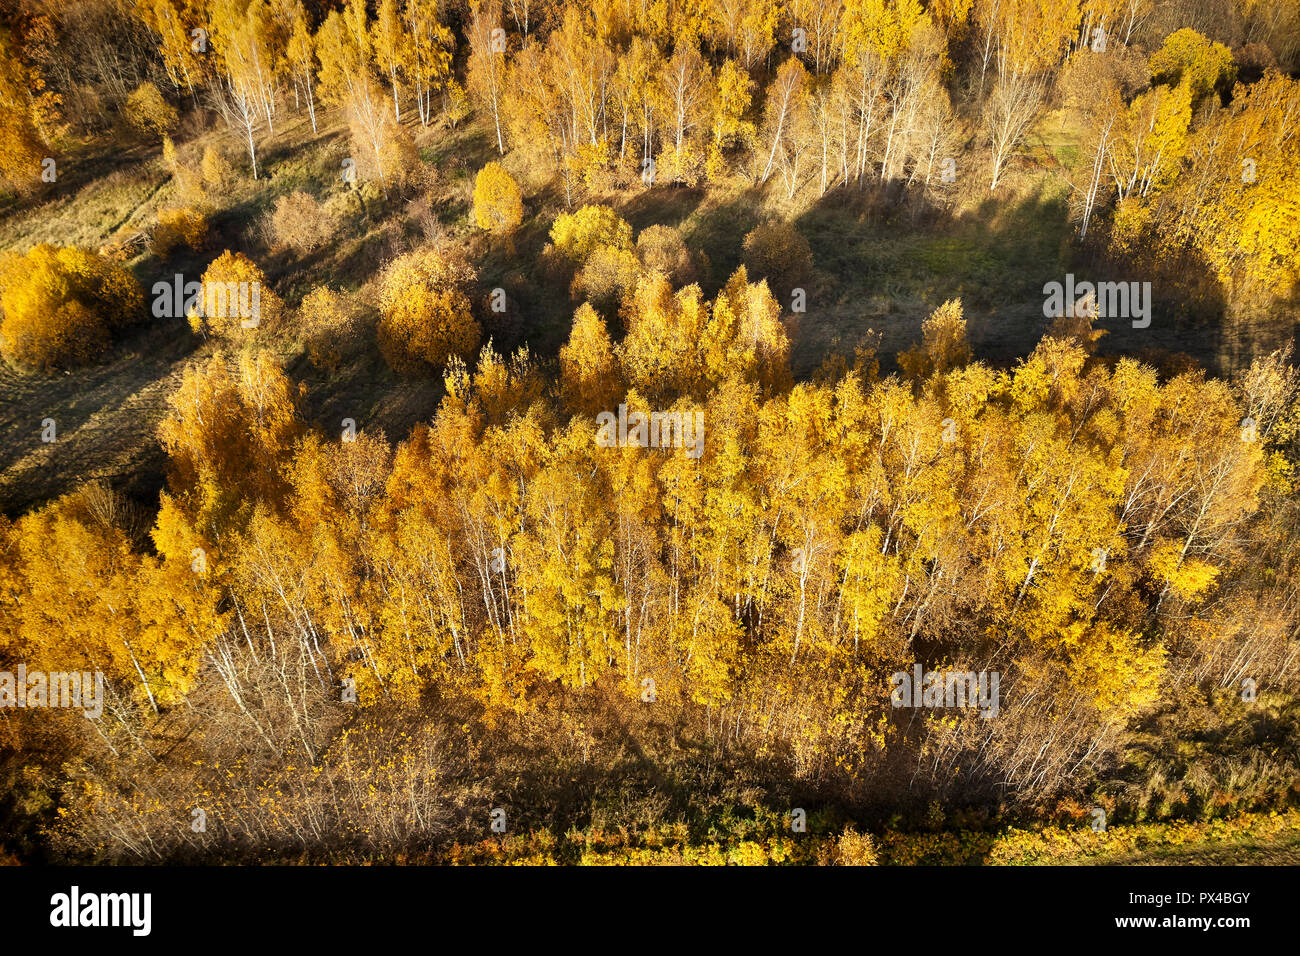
(106, 193)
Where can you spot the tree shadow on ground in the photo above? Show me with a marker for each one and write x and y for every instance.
(876, 276)
(106, 418)
(719, 233)
(668, 205)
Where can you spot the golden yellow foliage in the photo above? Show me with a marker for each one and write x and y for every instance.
(178, 227)
(236, 301)
(498, 205)
(1188, 57)
(328, 323)
(62, 306)
(216, 168)
(589, 375)
(150, 114)
(944, 346)
(24, 145)
(425, 314)
(578, 234)
(608, 273)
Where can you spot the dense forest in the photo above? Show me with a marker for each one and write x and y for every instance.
(560, 432)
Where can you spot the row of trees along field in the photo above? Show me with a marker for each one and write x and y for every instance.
(810, 94)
